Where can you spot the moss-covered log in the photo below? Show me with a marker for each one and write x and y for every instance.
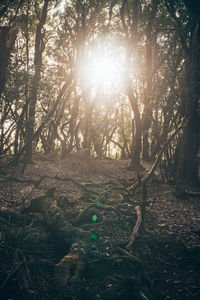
(53, 216)
(71, 265)
(81, 234)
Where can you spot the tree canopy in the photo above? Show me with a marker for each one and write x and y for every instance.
(111, 78)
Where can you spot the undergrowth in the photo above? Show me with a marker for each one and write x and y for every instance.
(158, 267)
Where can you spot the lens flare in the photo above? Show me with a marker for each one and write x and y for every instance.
(93, 237)
(94, 218)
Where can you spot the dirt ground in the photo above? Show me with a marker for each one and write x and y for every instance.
(168, 249)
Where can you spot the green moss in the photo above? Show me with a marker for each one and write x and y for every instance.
(71, 265)
(53, 216)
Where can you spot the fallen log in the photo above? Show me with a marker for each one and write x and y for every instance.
(53, 216)
(71, 265)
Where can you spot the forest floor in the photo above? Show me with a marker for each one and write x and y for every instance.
(93, 195)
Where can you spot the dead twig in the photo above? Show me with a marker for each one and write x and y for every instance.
(136, 228)
(37, 182)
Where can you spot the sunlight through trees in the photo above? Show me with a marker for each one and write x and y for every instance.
(113, 78)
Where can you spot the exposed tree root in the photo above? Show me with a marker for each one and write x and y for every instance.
(78, 237)
(136, 227)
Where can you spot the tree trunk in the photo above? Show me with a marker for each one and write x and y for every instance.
(145, 146)
(147, 113)
(187, 166)
(187, 171)
(39, 48)
(8, 35)
(73, 124)
(87, 128)
(136, 146)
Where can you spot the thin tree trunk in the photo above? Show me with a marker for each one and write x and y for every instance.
(136, 146)
(44, 122)
(39, 48)
(88, 123)
(8, 35)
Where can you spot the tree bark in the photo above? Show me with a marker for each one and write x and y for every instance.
(8, 35)
(147, 113)
(187, 171)
(87, 141)
(136, 146)
(39, 48)
(187, 167)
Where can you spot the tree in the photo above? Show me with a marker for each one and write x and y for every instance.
(39, 48)
(8, 35)
(130, 17)
(149, 72)
(46, 107)
(187, 168)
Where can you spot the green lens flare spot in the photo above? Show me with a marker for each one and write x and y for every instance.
(93, 237)
(94, 218)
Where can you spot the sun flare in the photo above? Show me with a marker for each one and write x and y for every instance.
(100, 70)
